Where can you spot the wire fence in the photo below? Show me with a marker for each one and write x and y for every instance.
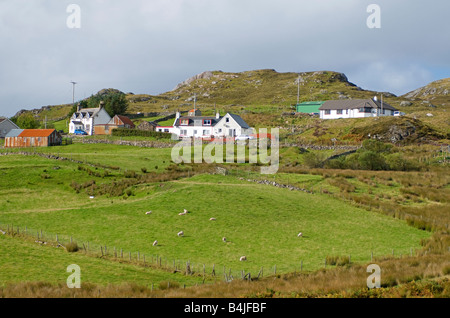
(185, 267)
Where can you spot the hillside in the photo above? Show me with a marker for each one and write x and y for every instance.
(436, 93)
(263, 97)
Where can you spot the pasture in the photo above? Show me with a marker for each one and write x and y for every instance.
(259, 221)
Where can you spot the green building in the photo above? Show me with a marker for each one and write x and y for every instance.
(309, 107)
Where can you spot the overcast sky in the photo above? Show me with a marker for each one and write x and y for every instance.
(149, 46)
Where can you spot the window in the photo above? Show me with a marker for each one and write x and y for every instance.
(227, 120)
(220, 130)
(183, 132)
(206, 132)
(365, 110)
(207, 122)
(339, 111)
(327, 112)
(166, 130)
(346, 111)
(185, 122)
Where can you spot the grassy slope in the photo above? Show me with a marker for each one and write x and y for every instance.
(25, 261)
(331, 227)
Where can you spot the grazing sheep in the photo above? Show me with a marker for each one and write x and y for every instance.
(243, 258)
(148, 212)
(212, 219)
(224, 239)
(300, 234)
(181, 233)
(182, 213)
(155, 243)
(185, 211)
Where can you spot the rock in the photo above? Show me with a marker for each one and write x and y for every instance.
(405, 103)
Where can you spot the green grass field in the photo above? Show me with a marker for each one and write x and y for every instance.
(259, 221)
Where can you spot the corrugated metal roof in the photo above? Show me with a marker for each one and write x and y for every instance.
(36, 132)
(126, 120)
(14, 133)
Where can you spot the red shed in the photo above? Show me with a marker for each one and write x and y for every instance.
(32, 138)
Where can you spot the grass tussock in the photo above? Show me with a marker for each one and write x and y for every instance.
(72, 247)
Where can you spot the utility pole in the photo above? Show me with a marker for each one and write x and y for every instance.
(73, 92)
(298, 89)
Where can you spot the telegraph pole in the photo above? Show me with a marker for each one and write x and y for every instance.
(73, 92)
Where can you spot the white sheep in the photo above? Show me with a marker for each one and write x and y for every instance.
(181, 233)
(155, 243)
(224, 239)
(243, 258)
(182, 213)
(148, 212)
(300, 234)
(212, 219)
(185, 211)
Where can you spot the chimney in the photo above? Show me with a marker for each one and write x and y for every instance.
(217, 115)
(102, 103)
(177, 115)
(78, 107)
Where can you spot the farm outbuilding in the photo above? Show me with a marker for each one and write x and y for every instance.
(5, 126)
(308, 107)
(18, 138)
(118, 121)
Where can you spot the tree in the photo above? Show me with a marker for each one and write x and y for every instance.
(115, 102)
(27, 121)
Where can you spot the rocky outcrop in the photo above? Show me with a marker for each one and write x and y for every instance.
(204, 75)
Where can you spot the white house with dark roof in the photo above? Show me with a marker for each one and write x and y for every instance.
(194, 125)
(86, 118)
(6, 126)
(355, 108)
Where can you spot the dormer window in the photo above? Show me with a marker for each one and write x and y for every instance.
(207, 122)
(184, 122)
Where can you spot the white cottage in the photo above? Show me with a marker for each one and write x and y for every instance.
(194, 125)
(85, 119)
(355, 108)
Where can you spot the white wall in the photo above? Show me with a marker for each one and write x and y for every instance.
(352, 113)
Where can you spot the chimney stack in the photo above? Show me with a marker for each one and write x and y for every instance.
(78, 107)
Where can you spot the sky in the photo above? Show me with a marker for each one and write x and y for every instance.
(149, 46)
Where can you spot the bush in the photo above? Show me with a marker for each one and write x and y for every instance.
(371, 160)
(314, 160)
(127, 132)
(376, 146)
(71, 247)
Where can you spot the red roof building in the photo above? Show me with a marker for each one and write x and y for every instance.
(19, 138)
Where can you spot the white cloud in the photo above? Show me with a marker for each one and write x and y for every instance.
(150, 46)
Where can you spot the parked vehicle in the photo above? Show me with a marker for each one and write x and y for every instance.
(244, 137)
(399, 113)
(80, 132)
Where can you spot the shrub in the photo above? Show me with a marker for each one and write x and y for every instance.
(376, 146)
(71, 247)
(126, 132)
(144, 170)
